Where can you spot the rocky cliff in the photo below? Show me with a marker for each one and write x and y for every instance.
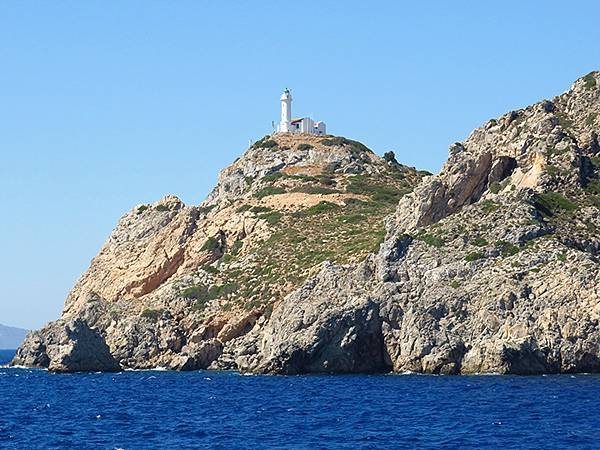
(489, 266)
(174, 285)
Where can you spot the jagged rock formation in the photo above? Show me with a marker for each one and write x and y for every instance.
(489, 266)
(174, 284)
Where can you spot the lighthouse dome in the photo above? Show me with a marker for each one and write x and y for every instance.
(287, 95)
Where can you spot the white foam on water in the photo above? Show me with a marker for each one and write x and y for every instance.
(152, 369)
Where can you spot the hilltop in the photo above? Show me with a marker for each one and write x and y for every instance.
(313, 254)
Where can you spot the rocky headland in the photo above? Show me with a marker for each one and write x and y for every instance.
(313, 254)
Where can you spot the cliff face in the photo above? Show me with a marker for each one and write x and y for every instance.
(489, 266)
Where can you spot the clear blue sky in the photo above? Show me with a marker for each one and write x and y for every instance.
(107, 104)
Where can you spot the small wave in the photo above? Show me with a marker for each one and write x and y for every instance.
(29, 369)
(152, 369)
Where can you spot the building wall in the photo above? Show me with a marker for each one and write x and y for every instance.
(309, 126)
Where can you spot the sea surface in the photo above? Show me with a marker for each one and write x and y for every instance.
(158, 409)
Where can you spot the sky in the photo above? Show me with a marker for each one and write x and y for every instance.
(108, 104)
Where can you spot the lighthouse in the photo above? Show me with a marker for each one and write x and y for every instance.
(286, 112)
(301, 125)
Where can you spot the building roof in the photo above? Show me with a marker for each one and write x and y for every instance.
(297, 120)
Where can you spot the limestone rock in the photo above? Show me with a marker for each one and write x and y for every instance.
(317, 330)
(72, 347)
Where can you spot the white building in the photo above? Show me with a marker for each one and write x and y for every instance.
(301, 125)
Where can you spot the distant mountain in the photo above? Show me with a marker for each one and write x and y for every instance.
(11, 337)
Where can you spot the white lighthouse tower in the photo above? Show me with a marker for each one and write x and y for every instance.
(286, 112)
(300, 125)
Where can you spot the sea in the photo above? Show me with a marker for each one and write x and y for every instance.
(157, 409)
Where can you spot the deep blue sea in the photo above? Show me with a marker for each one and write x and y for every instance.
(155, 410)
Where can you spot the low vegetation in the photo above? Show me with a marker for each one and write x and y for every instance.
(152, 314)
(550, 203)
(269, 190)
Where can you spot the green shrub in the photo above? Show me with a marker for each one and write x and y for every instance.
(495, 187)
(161, 208)
(244, 208)
(506, 248)
(272, 177)
(593, 187)
(205, 209)
(430, 239)
(222, 290)
(489, 206)
(200, 304)
(194, 292)
(326, 179)
(210, 269)
(271, 217)
(315, 190)
(474, 256)
(304, 147)
(152, 314)
(269, 190)
(454, 284)
(359, 184)
(142, 208)
(202, 294)
(252, 304)
(335, 141)
(319, 208)
(355, 146)
(236, 247)
(564, 120)
(306, 178)
(480, 242)
(552, 202)
(269, 144)
(211, 243)
(590, 119)
(589, 81)
(225, 258)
